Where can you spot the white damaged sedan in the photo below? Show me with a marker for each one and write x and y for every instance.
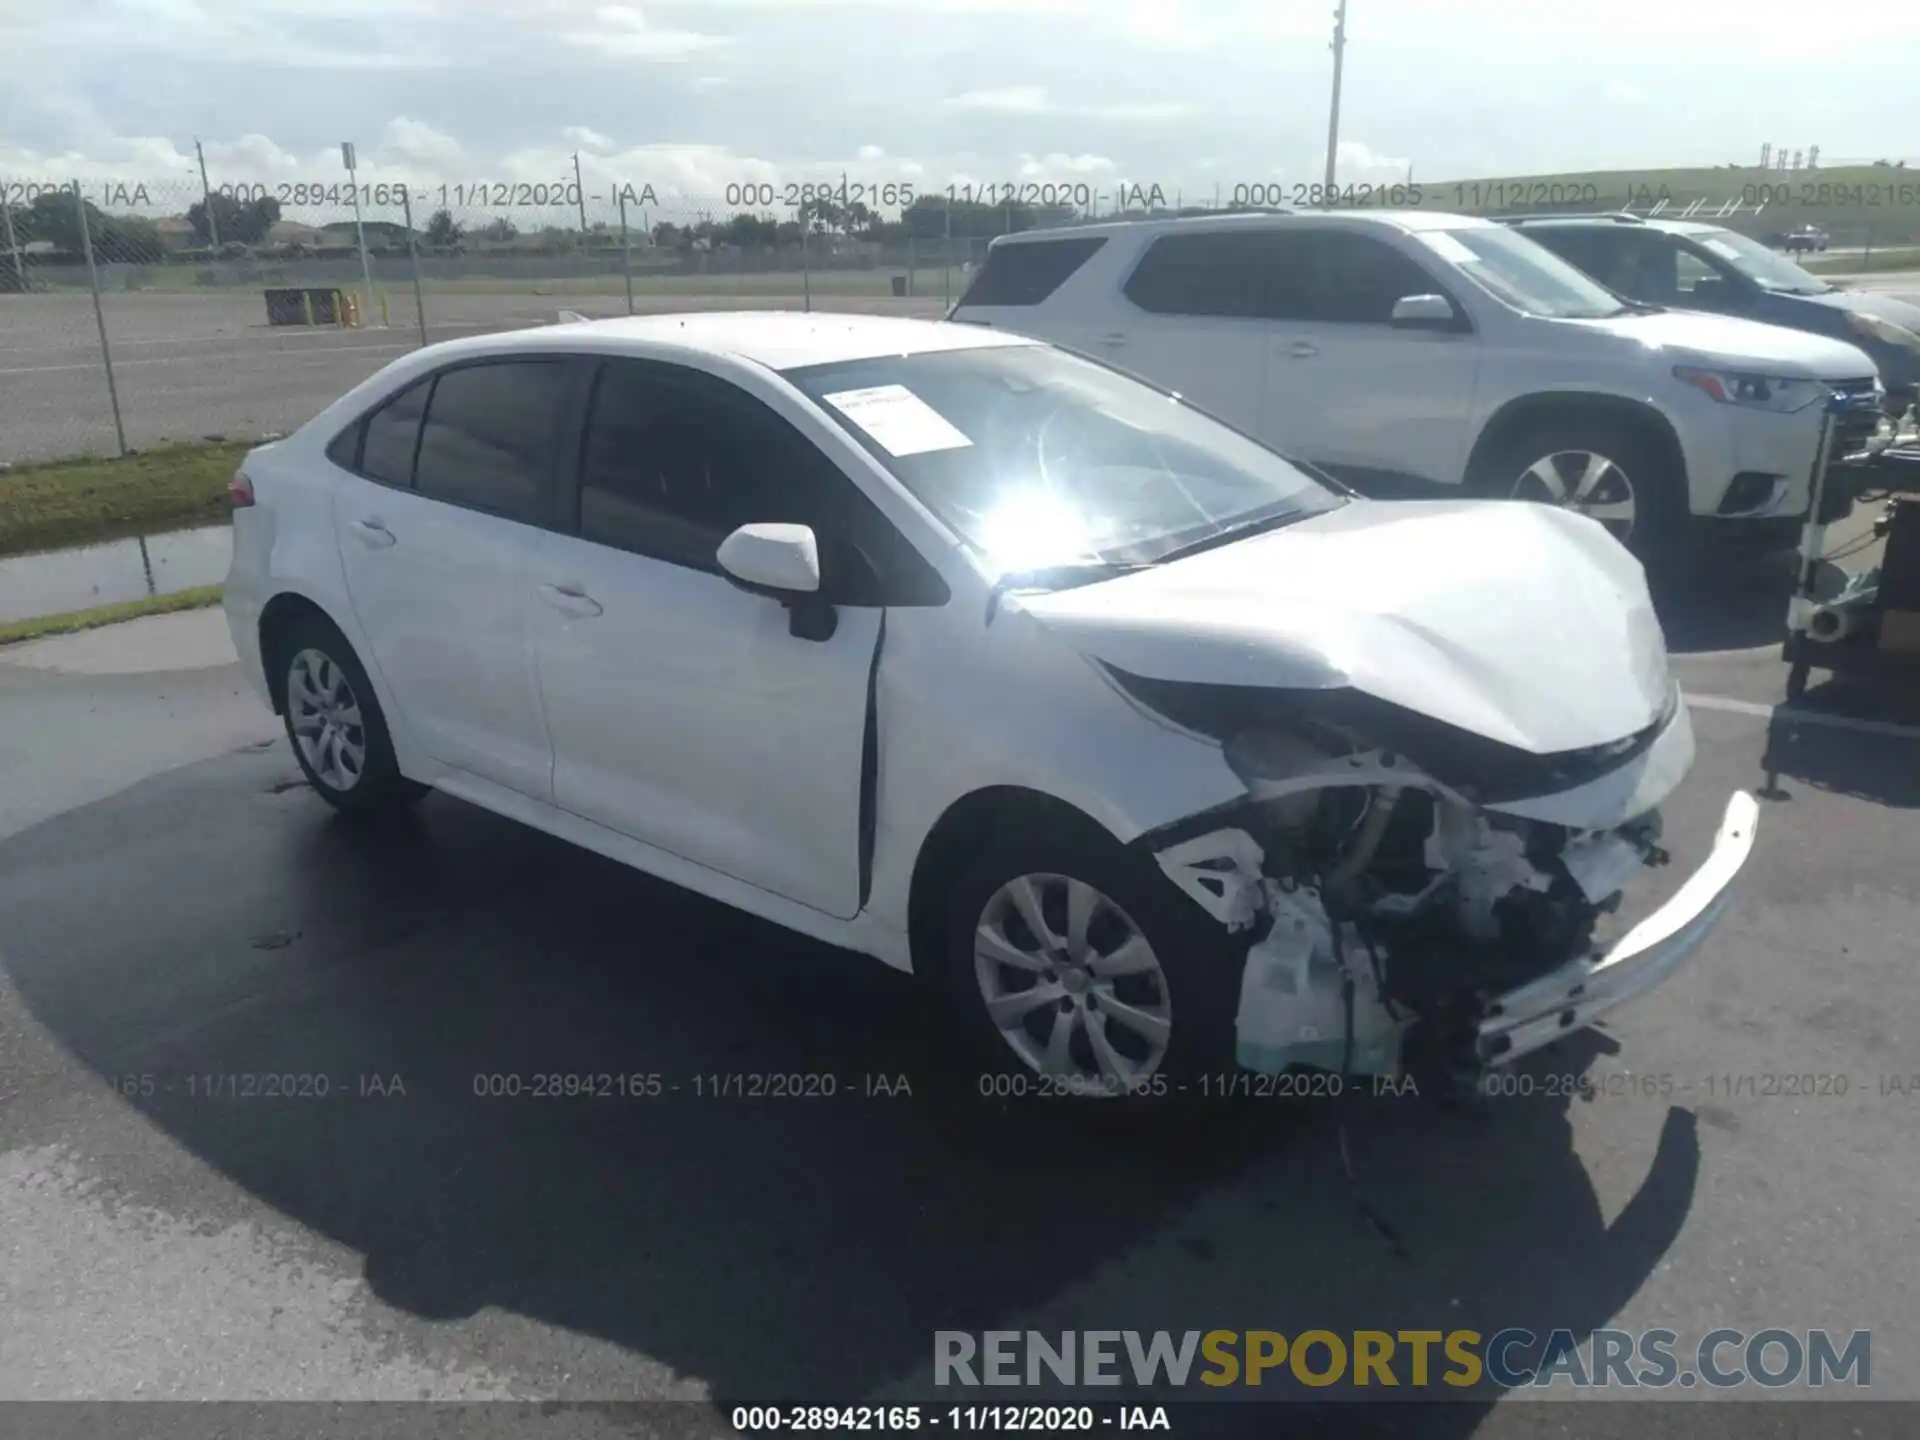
(1158, 755)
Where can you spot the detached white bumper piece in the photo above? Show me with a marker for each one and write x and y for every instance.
(1577, 994)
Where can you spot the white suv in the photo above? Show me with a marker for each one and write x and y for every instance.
(1404, 350)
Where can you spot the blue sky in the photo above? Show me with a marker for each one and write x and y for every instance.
(694, 95)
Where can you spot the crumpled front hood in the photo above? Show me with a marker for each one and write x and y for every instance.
(1521, 623)
(1698, 338)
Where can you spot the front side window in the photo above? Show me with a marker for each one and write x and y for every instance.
(1037, 458)
(674, 461)
(488, 440)
(1357, 279)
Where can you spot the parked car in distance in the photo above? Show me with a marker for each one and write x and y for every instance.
(1697, 265)
(1154, 755)
(1414, 352)
(1807, 237)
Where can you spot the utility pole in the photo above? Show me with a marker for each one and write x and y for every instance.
(580, 194)
(1333, 114)
(348, 159)
(206, 196)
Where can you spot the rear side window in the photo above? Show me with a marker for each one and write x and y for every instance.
(488, 440)
(1212, 273)
(393, 432)
(1028, 272)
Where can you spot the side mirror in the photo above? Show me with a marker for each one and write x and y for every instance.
(781, 562)
(1424, 312)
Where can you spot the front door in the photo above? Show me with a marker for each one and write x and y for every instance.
(683, 712)
(1383, 404)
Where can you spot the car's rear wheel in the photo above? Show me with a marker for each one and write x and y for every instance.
(1610, 472)
(1084, 972)
(335, 724)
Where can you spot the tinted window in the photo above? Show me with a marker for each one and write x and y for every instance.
(488, 439)
(675, 461)
(344, 450)
(1218, 273)
(1357, 279)
(1028, 272)
(392, 433)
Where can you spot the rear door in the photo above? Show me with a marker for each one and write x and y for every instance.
(452, 486)
(1193, 322)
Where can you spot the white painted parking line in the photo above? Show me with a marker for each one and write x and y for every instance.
(1802, 717)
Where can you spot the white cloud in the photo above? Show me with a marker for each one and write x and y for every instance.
(419, 144)
(1619, 92)
(586, 139)
(622, 31)
(867, 154)
(1037, 100)
(1014, 100)
(1034, 167)
(1359, 163)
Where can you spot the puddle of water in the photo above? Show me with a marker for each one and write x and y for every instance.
(90, 575)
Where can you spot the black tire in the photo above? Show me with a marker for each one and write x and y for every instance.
(1200, 963)
(1654, 473)
(378, 787)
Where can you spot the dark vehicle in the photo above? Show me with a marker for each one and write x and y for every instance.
(1697, 265)
(1807, 237)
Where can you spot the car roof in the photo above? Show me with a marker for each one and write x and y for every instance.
(1616, 222)
(777, 339)
(1249, 219)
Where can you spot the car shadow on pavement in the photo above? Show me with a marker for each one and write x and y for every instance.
(213, 923)
(1731, 601)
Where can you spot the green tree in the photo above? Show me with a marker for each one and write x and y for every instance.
(244, 222)
(443, 232)
(499, 230)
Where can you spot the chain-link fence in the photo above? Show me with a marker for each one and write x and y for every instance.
(134, 312)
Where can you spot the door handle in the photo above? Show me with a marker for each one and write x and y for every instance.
(572, 599)
(1302, 349)
(371, 533)
(1113, 338)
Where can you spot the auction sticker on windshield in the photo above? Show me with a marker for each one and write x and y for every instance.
(899, 420)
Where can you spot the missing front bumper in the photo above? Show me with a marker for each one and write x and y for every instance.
(1577, 994)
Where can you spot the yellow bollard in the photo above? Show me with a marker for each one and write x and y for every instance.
(306, 306)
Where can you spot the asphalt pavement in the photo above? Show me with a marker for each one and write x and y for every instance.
(177, 910)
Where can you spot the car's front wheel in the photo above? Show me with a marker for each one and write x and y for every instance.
(334, 721)
(1083, 971)
(1610, 472)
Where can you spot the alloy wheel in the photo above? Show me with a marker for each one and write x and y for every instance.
(1072, 984)
(1583, 481)
(324, 715)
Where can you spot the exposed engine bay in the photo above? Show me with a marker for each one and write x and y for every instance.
(1387, 908)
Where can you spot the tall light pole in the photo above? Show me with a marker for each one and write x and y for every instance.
(1333, 115)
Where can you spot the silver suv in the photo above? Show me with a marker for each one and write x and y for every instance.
(1403, 351)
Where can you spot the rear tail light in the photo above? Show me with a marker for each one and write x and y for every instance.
(240, 490)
